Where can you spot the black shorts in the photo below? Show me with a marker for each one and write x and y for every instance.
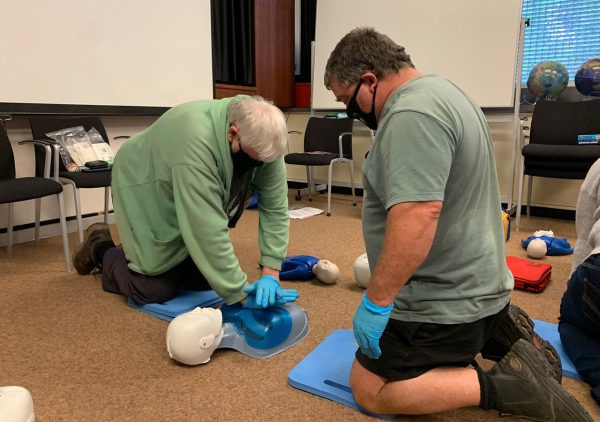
(409, 349)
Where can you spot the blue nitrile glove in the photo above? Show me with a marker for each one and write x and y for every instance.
(266, 292)
(554, 245)
(282, 297)
(369, 322)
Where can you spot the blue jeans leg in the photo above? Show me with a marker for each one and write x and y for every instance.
(579, 325)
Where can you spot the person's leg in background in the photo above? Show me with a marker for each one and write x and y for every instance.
(579, 325)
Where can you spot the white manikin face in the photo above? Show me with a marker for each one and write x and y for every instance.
(326, 271)
(192, 337)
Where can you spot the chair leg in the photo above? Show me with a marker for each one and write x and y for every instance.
(9, 230)
(351, 163)
(65, 236)
(329, 176)
(106, 197)
(520, 194)
(529, 191)
(38, 211)
(308, 183)
(78, 213)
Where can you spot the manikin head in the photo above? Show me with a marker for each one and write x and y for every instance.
(362, 271)
(326, 271)
(192, 337)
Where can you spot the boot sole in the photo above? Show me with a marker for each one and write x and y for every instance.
(526, 326)
(80, 262)
(541, 369)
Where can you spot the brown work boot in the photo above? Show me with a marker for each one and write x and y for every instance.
(83, 257)
(525, 387)
(520, 325)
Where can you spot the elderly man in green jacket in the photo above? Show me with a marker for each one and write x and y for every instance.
(178, 187)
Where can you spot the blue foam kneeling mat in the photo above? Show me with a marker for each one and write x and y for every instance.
(185, 302)
(326, 370)
(549, 331)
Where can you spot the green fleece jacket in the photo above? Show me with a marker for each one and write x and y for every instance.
(170, 188)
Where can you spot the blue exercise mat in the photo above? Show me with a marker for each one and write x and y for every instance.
(549, 331)
(185, 302)
(326, 370)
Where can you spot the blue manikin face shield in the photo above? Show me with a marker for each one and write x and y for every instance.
(262, 333)
(354, 112)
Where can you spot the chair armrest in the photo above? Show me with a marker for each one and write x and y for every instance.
(50, 147)
(340, 147)
(292, 132)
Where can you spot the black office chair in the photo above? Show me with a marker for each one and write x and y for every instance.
(40, 126)
(553, 150)
(13, 189)
(326, 142)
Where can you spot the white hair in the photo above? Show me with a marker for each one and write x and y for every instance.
(261, 126)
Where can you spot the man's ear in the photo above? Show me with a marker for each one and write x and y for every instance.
(370, 80)
(233, 130)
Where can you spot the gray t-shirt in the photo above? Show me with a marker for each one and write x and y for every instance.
(588, 217)
(433, 144)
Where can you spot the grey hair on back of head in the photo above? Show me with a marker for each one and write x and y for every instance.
(364, 50)
(261, 125)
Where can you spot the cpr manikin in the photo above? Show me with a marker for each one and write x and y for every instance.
(16, 404)
(192, 337)
(305, 267)
(326, 271)
(361, 270)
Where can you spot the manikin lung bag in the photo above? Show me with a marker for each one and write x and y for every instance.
(193, 336)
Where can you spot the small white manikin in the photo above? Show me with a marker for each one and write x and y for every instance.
(16, 404)
(192, 337)
(537, 249)
(326, 271)
(362, 272)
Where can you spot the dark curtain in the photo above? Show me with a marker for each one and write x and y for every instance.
(308, 17)
(233, 41)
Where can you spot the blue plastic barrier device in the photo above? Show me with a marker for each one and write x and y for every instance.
(259, 333)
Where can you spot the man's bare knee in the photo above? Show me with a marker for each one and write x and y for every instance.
(365, 387)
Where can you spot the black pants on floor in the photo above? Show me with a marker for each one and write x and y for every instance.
(118, 278)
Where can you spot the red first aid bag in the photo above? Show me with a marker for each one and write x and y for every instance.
(529, 275)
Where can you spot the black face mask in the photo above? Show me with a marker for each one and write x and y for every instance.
(242, 162)
(354, 112)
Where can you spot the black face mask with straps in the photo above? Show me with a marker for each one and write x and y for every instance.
(242, 162)
(354, 112)
(240, 185)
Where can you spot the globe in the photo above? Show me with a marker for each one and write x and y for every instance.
(587, 78)
(547, 79)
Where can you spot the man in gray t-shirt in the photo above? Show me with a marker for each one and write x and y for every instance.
(440, 289)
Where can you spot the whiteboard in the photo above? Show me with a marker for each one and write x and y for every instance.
(473, 43)
(112, 52)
